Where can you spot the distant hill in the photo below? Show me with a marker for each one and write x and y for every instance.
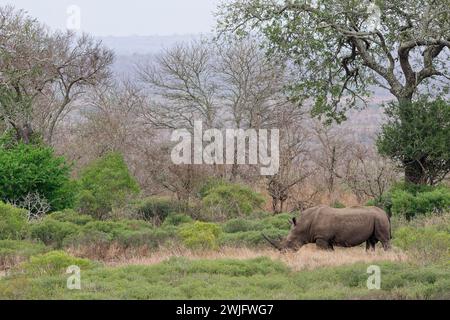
(144, 44)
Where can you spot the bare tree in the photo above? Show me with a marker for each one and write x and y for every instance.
(35, 204)
(251, 86)
(294, 155)
(182, 81)
(368, 174)
(330, 153)
(42, 72)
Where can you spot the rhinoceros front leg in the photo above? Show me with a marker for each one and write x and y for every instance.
(324, 244)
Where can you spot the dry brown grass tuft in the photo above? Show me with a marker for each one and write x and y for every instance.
(308, 257)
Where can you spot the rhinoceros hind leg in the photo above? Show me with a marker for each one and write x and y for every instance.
(370, 244)
(386, 245)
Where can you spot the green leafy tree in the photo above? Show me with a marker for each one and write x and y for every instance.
(34, 168)
(104, 185)
(343, 47)
(417, 135)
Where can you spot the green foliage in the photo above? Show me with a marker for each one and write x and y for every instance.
(13, 252)
(177, 219)
(105, 184)
(200, 235)
(427, 243)
(410, 201)
(211, 183)
(30, 168)
(53, 232)
(248, 232)
(71, 216)
(13, 222)
(156, 209)
(231, 200)
(126, 233)
(338, 205)
(417, 136)
(53, 263)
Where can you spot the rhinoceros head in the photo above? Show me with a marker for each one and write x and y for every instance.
(292, 242)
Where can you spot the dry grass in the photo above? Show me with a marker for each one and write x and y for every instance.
(308, 257)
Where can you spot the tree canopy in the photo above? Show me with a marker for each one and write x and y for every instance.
(343, 48)
(418, 136)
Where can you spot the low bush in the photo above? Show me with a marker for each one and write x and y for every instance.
(13, 222)
(410, 201)
(337, 205)
(156, 209)
(280, 221)
(125, 233)
(53, 232)
(426, 243)
(251, 238)
(71, 216)
(177, 219)
(13, 252)
(200, 235)
(54, 263)
(231, 200)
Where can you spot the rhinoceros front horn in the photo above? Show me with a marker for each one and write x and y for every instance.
(273, 243)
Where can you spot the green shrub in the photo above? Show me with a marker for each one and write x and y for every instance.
(156, 209)
(53, 232)
(231, 200)
(241, 225)
(27, 168)
(126, 233)
(13, 252)
(177, 219)
(88, 238)
(337, 205)
(279, 221)
(104, 185)
(251, 238)
(410, 201)
(427, 243)
(71, 216)
(200, 235)
(248, 232)
(54, 263)
(13, 222)
(209, 185)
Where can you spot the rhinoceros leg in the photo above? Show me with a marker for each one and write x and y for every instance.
(370, 244)
(323, 244)
(386, 245)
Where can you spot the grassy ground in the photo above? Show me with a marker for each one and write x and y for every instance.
(260, 278)
(418, 267)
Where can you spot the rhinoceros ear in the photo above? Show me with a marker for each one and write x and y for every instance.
(294, 221)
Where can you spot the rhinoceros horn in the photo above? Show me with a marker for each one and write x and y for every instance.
(273, 243)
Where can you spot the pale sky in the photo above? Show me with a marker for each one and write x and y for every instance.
(125, 17)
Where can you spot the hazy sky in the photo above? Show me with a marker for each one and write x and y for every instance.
(125, 17)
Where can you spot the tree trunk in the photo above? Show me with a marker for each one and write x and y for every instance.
(24, 133)
(414, 172)
(414, 169)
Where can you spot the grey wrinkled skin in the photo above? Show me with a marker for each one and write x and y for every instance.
(329, 227)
